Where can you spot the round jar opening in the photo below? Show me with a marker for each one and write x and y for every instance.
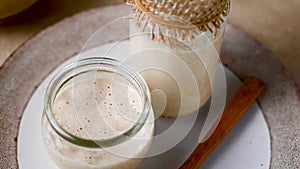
(97, 102)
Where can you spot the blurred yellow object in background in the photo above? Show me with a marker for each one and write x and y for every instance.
(12, 7)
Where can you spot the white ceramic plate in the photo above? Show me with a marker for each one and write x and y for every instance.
(247, 146)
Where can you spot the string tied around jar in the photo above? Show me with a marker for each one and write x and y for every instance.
(173, 21)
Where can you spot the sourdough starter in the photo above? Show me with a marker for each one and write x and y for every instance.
(98, 109)
(185, 76)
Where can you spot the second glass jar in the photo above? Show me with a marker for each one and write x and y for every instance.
(180, 78)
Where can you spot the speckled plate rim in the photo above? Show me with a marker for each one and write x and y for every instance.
(36, 58)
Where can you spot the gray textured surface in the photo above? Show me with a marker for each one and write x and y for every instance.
(35, 59)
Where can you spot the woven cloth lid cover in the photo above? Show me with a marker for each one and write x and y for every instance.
(178, 18)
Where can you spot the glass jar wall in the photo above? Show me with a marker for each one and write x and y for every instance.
(97, 114)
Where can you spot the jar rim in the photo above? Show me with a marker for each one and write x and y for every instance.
(55, 85)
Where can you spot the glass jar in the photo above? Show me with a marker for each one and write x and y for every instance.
(97, 114)
(182, 70)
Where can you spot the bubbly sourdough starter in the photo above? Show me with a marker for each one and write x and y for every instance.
(98, 109)
(171, 78)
